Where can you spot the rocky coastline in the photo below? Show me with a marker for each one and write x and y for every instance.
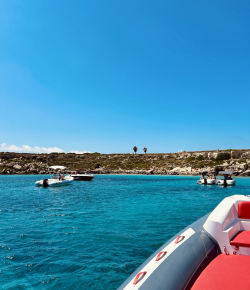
(181, 163)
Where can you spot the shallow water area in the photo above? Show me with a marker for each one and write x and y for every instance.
(93, 235)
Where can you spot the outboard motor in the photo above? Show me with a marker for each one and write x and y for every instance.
(45, 183)
(204, 177)
(225, 183)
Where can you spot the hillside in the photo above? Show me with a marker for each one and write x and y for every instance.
(167, 163)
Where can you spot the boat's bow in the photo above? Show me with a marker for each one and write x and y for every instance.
(178, 263)
(199, 256)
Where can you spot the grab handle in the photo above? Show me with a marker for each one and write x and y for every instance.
(179, 239)
(138, 275)
(160, 255)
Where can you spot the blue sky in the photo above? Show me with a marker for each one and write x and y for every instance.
(107, 75)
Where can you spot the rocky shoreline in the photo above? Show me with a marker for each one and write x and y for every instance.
(182, 163)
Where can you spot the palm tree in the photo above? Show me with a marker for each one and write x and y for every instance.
(145, 150)
(135, 149)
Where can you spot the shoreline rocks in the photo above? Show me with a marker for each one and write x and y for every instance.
(181, 163)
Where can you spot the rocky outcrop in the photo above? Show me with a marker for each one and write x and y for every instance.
(243, 166)
(17, 167)
(236, 154)
(181, 163)
(245, 173)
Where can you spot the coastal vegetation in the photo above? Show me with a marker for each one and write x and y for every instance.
(135, 149)
(165, 163)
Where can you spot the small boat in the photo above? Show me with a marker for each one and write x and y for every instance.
(206, 179)
(212, 253)
(83, 177)
(57, 179)
(228, 180)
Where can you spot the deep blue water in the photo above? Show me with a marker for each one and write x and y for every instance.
(93, 235)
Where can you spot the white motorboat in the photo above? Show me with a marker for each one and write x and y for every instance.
(57, 179)
(227, 180)
(207, 178)
(83, 177)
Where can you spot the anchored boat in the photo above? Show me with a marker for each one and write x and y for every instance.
(227, 180)
(213, 253)
(84, 177)
(207, 179)
(203, 179)
(57, 179)
(211, 178)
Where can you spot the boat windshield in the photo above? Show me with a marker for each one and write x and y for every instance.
(57, 176)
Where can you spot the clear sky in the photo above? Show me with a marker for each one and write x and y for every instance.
(104, 76)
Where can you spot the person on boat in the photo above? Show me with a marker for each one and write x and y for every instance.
(226, 177)
(62, 177)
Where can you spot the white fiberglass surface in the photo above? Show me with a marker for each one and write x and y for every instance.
(223, 223)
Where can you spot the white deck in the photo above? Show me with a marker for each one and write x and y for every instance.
(223, 224)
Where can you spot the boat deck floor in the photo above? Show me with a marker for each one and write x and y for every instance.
(225, 272)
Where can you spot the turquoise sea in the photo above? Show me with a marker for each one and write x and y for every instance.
(93, 235)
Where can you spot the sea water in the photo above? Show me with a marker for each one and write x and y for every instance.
(93, 235)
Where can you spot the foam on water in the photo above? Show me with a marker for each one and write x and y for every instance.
(93, 235)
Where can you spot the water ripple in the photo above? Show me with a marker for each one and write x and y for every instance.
(93, 235)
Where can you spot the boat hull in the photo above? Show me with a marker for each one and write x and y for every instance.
(83, 177)
(54, 182)
(180, 267)
(202, 181)
(62, 183)
(221, 237)
(211, 181)
(227, 182)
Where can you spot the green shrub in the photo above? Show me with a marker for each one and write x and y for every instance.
(201, 165)
(200, 158)
(141, 166)
(211, 163)
(190, 159)
(219, 162)
(223, 156)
